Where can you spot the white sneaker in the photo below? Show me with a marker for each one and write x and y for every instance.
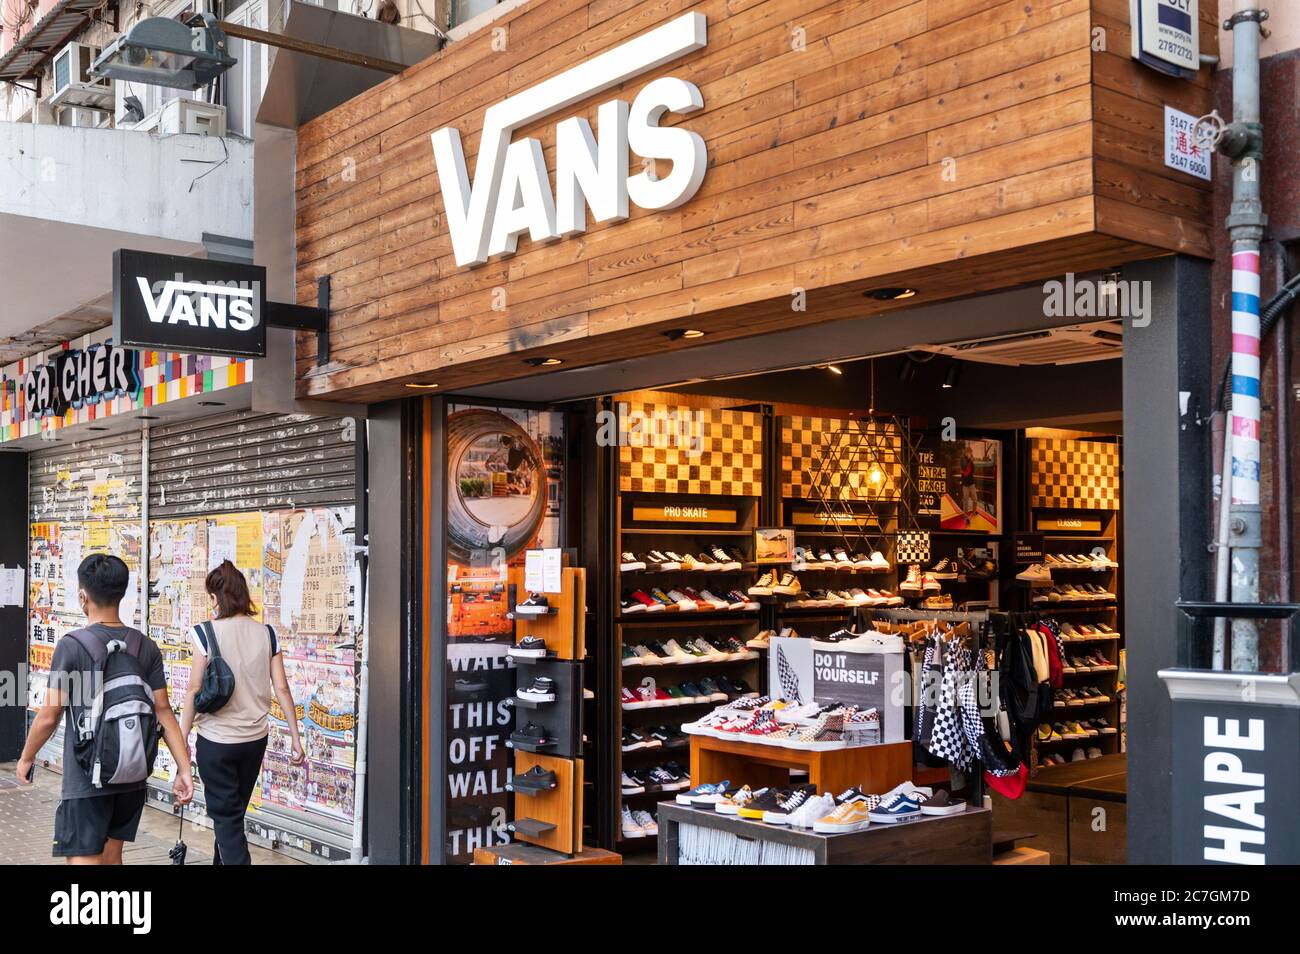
(874, 642)
(860, 597)
(631, 563)
(679, 655)
(648, 658)
(763, 585)
(630, 827)
(1035, 573)
(811, 810)
(878, 561)
(912, 585)
(713, 601)
(682, 601)
(647, 823)
(631, 786)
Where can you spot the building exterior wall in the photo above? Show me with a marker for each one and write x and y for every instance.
(850, 145)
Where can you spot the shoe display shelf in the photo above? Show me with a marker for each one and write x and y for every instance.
(549, 811)
(977, 590)
(1095, 535)
(684, 524)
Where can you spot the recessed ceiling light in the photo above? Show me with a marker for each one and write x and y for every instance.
(420, 386)
(891, 294)
(834, 369)
(677, 334)
(543, 362)
(953, 376)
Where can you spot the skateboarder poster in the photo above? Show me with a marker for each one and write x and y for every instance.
(959, 484)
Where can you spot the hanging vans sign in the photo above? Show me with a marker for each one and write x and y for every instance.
(204, 306)
(511, 192)
(1166, 35)
(193, 305)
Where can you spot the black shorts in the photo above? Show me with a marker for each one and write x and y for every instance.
(82, 826)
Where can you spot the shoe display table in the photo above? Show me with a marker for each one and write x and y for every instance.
(696, 836)
(876, 768)
(524, 854)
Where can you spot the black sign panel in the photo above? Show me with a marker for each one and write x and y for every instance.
(1236, 783)
(192, 305)
(1029, 548)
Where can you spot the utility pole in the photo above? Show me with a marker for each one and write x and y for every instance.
(1245, 224)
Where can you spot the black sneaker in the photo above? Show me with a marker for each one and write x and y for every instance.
(631, 563)
(635, 739)
(531, 734)
(530, 647)
(770, 800)
(781, 813)
(536, 779)
(541, 689)
(943, 569)
(666, 781)
(535, 605)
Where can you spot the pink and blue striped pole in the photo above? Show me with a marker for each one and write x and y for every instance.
(1245, 377)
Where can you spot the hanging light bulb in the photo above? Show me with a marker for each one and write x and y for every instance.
(876, 476)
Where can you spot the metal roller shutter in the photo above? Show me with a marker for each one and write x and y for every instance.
(60, 479)
(250, 461)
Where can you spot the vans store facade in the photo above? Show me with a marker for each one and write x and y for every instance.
(837, 354)
(159, 458)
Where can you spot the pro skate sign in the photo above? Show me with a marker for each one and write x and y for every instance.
(511, 192)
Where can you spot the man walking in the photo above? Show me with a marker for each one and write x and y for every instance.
(93, 820)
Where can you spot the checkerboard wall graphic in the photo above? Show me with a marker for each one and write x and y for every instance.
(852, 448)
(684, 450)
(1080, 475)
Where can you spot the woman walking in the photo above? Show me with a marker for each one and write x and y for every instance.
(232, 740)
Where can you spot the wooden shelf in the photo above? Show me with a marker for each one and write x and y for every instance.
(686, 618)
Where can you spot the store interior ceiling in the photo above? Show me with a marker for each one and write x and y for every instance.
(993, 361)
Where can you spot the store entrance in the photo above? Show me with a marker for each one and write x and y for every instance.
(843, 543)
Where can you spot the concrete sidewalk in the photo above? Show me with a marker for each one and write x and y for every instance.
(27, 828)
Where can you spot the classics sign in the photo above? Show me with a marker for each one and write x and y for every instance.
(192, 305)
(511, 192)
(76, 378)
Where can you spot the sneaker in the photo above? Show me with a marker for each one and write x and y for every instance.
(530, 647)
(661, 562)
(912, 585)
(678, 696)
(942, 803)
(656, 738)
(683, 601)
(1035, 573)
(647, 656)
(541, 689)
(861, 561)
(851, 815)
(631, 563)
(535, 605)
(1093, 752)
(731, 804)
(690, 564)
(630, 700)
(531, 734)
(694, 693)
(938, 602)
(769, 799)
(630, 785)
(897, 807)
(666, 780)
(745, 602)
(704, 796)
(943, 569)
(791, 803)
(929, 584)
(878, 563)
(726, 562)
(788, 584)
(633, 739)
(763, 585)
(649, 828)
(679, 654)
(842, 559)
(712, 690)
(535, 779)
(1078, 755)
(630, 827)
(630, 656)
(806, 815)
(629, 603)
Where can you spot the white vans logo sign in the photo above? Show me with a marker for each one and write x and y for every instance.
(201, 305)
(511, 192)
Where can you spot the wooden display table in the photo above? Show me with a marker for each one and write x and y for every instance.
(965, 839)
(876, 768)
(522, 854)
(1061, 806)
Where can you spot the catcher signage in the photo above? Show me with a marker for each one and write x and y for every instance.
(511, 192)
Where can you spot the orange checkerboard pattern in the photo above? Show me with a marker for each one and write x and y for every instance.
(667, 449)
(1070, 474)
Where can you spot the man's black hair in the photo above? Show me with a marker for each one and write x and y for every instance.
(104, 577)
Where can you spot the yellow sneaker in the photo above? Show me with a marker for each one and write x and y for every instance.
(734, 802)
(851, 816)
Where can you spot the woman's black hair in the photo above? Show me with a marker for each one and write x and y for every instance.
(230, 588)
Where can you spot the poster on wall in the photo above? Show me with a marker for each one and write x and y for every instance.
(959, 484)
(504, 478)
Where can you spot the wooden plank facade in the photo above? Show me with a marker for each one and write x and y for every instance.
(954, 146)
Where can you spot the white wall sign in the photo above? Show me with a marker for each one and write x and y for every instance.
(1166, 33)
(511, 192)
(1181, 150)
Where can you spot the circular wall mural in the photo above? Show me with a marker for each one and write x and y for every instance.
(497, 496)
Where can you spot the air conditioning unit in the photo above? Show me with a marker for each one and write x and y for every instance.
(73, 84)
(185, 116)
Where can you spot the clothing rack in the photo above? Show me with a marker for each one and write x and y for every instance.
(984, 634)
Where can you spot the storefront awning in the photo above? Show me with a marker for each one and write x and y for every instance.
(50, 34)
